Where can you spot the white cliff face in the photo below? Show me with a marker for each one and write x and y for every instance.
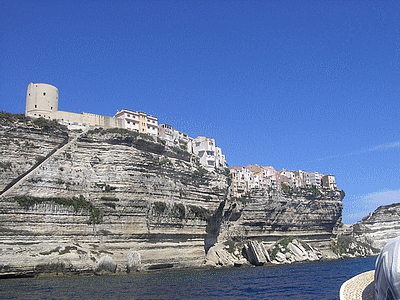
(143, 204)
(368, 236)
(24, 142)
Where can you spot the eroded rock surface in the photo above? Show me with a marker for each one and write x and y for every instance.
(367, 237)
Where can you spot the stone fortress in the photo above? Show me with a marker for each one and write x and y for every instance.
(42, 102)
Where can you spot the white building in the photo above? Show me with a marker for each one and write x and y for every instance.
(220, 158)
(210, 156)
(174, 137)
(315, 179)
(138, 121)
(239, 186)
(328, 181)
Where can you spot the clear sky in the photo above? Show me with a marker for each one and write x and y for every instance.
(310, 85)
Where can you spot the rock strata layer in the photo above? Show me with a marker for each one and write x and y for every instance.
(367, 237)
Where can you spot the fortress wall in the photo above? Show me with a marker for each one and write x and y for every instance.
(88, 119)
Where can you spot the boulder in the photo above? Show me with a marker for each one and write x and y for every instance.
(255, 253)
(134, 261)
(218, 256)
(105, 265)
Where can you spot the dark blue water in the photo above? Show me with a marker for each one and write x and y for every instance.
(320, 280)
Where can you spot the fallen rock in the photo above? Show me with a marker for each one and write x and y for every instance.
(217, 255)
(105, 265)
(134, 261)
(255, 253)
(292, 250)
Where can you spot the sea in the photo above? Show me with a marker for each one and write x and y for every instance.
(318, 280)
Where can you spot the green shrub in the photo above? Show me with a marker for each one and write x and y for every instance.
(105, 198)
(179, 210)
(48, 125)
(50, 251)
(67, 249)
(282, 243)
(199, 212)
(39, 159)
(95, 216)
(159, 207)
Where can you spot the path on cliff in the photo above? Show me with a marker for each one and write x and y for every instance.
(8, 189)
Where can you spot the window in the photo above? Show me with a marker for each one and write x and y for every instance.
(35, 106)
(44, 93)
(128, 122)
(51, 108)
(197, 144)
(210, 163)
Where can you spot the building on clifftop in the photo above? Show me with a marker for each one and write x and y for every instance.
(210, 155)
(138, 121)
(174, 137)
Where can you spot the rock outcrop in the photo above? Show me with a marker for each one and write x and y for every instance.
(271, 216)
(367, 237)
(144, 204)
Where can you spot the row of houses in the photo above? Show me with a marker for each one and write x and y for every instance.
(210, 156)
(245, 179)
(42, 102)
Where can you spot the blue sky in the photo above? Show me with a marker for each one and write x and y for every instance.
(310, 85)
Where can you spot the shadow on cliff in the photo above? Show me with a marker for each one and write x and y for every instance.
(214, 223)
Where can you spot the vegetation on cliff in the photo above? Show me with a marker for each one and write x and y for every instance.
(77, 203)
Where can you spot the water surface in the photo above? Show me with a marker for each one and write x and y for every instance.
(321, 280)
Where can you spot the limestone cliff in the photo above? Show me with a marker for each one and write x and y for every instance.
(24, 142)
(108, 196)
(309, 215)
(368, 236)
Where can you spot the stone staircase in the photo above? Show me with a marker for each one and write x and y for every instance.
(20, 179)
